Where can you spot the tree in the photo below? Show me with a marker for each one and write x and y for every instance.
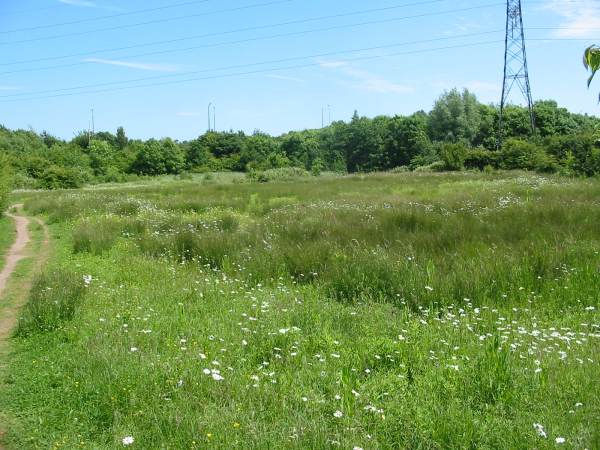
(406, 138)
(361, 141)
(455, 117)
(591, 61)
(121, 138)
(101, 157)
(158, 158)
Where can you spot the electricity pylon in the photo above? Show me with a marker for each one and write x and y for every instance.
(515, 62)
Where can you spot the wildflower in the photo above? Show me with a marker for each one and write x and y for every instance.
(429, 288)
(338, 414)
(127, 440)
(133, 349)
(87, 279)
(217, 377)
(560, 440)
(540, 430)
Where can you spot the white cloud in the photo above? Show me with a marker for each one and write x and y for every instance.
(285, 78)
(133, 65)
(367, 81)
(82, 3)
(579, 18)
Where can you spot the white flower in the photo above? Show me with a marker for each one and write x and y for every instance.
(357, 448)
(429, 288)
(87, 279)
(127, 440)
(206, 371)
(284, 330)
(133, 349)
(540, 430)
(217, 377)
(560, 440)
(338, 414)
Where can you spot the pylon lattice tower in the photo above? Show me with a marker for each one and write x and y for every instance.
(515, 61)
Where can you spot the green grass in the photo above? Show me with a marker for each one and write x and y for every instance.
(7, 237)
(431, 311)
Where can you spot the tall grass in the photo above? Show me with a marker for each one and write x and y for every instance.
(53, 300)
(381, 311)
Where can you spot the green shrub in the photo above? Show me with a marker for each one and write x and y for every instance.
(56, 177)
(53, 300)
(478, 158)
(280, 174)
(400, 169)
(520, 154)
(454, 155)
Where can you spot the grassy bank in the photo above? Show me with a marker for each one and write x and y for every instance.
(405, 311)
(7, 236)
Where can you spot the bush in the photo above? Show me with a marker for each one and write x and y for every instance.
(56, 177)
(478, 158)
(400, 169)
(454, 156)
(577, 153)
(53, 300)
(520, 154)
(438, 166)
(281, 174)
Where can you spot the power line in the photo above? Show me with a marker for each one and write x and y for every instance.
(272, 69)
(334, 53)
(238, 30)
(240, 41)
(237, 66)
(110, 16)
(150, 22)
(229, 75)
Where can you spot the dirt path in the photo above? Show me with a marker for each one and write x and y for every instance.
(19, 251)
(16, 291)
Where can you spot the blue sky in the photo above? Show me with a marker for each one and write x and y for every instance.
(271, 64)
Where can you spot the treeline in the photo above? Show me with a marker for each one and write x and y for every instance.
(459, 133)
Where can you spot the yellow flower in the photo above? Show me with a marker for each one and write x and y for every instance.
(236, 425)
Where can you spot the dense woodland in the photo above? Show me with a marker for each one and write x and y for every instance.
(459, 133)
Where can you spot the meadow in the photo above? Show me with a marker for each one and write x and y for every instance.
(381, 311)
